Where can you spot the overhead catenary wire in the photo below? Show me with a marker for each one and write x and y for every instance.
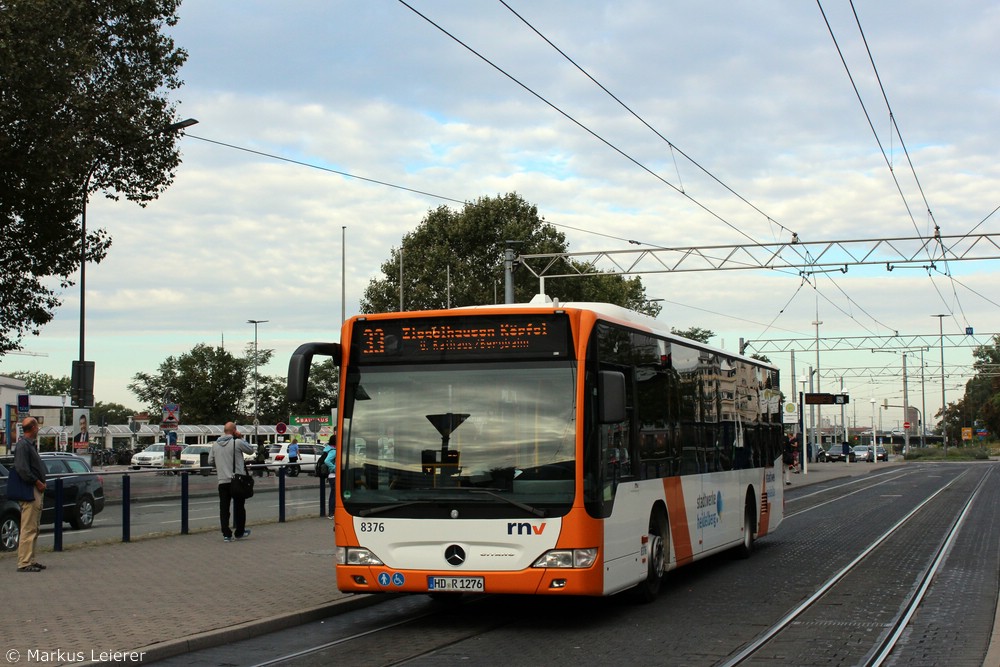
(895, 127)
(578, 123)
(673, 147)
(669, 143)
(586, 231)
(909, 160)
(868, 118)
(892, 117)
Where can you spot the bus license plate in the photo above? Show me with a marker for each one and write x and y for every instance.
(456, 584)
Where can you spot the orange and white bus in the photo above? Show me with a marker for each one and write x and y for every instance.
(574, 449)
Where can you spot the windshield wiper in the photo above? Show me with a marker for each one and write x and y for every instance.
(386, 508)
(515, 503)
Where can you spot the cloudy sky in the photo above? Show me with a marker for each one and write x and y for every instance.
(755, 94)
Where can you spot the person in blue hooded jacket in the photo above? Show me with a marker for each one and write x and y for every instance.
(328, 457)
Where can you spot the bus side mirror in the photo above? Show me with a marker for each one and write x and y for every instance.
(299, 364)
(611, 397)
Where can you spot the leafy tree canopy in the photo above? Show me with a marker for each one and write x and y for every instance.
(83, 108)
(107, 414)
(213, 386)
(42, 384)
(980, 405)
(695, 333)
(209, 383)
(469, 246)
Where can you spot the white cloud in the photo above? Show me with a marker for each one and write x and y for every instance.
(754, 92)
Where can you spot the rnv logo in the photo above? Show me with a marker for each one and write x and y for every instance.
(525, 528)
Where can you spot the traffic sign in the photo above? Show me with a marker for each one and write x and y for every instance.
(790, 412)
(906, 425)
(171, 416)
(281, 428)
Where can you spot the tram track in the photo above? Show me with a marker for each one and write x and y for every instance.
(772, 644)
(404, 637)
(861, 483)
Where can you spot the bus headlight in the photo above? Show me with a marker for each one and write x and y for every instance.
(567, 558)
(356, 556)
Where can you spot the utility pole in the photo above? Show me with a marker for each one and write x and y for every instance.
(256, 419)
(508, 273)
(944, 422)
(906, 411)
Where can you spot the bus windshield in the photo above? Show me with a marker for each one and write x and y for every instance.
(478, 439)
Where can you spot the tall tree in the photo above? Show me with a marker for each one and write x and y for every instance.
(981, 402)
(211, 385)
(695, 333)
(83, 108)
(42, 384)
(110, 413)
(321, 395)
(468, 246)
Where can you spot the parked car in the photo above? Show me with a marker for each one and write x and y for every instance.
(191, 457)
(863, 453)
(151, 457)
(881, 454)
(277, 455)
(83, 496)
(836, 452)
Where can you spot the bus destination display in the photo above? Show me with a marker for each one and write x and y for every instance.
(521, 337)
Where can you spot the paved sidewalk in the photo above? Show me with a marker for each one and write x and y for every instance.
(166, 595)
(163, 596)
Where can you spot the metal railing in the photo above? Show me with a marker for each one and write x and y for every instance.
(185, 494)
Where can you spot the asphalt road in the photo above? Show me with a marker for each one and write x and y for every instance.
(709, 610)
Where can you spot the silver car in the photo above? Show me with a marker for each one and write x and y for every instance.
(863, 453)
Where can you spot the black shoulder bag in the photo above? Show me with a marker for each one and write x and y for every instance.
(242, 485)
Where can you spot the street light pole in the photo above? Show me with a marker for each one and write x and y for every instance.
(906, 410)
(873, 424)
(256, 420)
(819, 411)
(923, 402)
(803, 432)
(944, 422)
(83, 371)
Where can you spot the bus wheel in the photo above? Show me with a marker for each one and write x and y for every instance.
(656, 559)
(749, 528)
